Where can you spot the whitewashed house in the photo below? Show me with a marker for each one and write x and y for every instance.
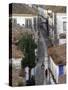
(24, 15)
(24, 19)
(57, 23)
(61, 27)
(56, 16)
(57, 64)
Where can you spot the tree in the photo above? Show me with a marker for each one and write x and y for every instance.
(27, 44)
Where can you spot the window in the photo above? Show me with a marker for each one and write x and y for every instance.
(64, 26)
(61, 70)
(28, 23)
(35, 23)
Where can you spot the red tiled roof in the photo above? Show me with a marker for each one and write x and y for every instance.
(18, 8)
(58, 54)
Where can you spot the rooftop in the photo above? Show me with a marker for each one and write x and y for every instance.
(18, 8)
(54, 8)
(58, 54)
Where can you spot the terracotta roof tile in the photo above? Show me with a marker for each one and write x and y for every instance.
(54, 8)
(18, 8)
(58, 54)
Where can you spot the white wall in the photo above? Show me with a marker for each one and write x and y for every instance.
(60, 18)
(51, 79)
(21, 19)
(62, 41)
(54, 69)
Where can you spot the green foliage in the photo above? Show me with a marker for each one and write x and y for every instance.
(27, 44)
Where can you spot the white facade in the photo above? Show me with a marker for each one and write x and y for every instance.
(51, 79)
(21, 19)
(62, 41)
(60, 20)
(55, 70)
